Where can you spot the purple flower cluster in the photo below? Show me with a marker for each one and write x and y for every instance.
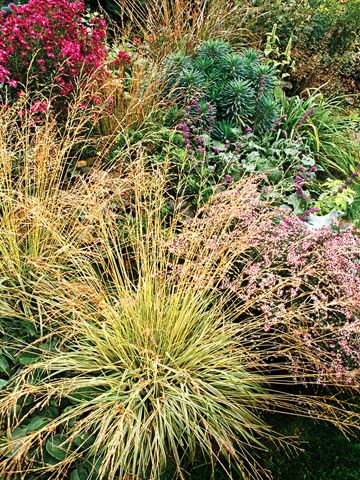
(306, 115)
(228, 179)
(277, 122)
(262, 84)
(348, 182)
(198, 118)
(309, 212)
(302, 122)
(302, 178)
(184, 128)
(248, 131)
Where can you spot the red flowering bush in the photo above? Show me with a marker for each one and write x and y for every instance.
(121, 60)
(50, 43)
(298, 281)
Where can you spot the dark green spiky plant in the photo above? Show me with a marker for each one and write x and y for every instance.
(238, 85)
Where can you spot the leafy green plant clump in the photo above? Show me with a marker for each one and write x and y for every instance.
(335, 197)
(324, 126)
(237, 88)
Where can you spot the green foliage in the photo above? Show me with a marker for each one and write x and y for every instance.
(281, 60)
(355, 206)
(238, 96)
(238, 85)
(325, 36)
(214, 51)
(224, 130)
(324, 126)
(326, 25)
(326, 454)
(334, 25)
(280, 161)
(5, 4)
(334, 197)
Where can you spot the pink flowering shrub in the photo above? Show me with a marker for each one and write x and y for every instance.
(303, 283)
(50, 44)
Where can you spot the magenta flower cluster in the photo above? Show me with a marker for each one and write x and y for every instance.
(52, 43)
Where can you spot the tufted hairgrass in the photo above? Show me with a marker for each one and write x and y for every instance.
(151, 369)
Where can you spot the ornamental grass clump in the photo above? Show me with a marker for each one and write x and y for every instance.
(45, 210)
(33, 225)
(166, 26)
(153, 368)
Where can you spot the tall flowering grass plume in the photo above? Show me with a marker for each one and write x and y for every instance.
(155, 366)
(45, 219)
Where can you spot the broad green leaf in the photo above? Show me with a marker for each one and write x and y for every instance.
(2, 383)
(4, 365)
(308, 161)
(84, 440)
(55, 448)
(28, 358)
(295, 202)
(49, 459)
(36, 423)
(18, 432)
(79, 474)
